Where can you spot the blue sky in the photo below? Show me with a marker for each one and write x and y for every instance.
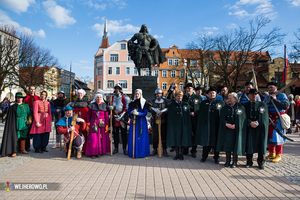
(72, 29)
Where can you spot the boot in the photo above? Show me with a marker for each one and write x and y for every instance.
(125, 152)
(235, 160)
(249, 162)
(177, 153)
(165, 153)
(271, 155)
(116, 150)
(79, 154)
(228, 159)
(277, 158)
(22, 147)
(154, 152)
(193, 151)
(181, 153)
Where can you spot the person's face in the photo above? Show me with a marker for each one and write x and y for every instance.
(43, 96)
(80, 95)
(60, 95)
(247, 88)
(252, 97)
(178, 98)
(224, 90)
(198, 92)
(232, 100)
(137, 95)
(32, 90)
(53, 98)
(73, 92)
(144, 28)
(272, 89)
(99, 99)
(69, 113)
(189, 90)
(117, 90)
(19, 100)
(212, 94)
(158, 95)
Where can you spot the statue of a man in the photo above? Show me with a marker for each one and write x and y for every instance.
(146, 52)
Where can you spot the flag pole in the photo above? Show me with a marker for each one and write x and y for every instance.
(284, 66)
(70, 81)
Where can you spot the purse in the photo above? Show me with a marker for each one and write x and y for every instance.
(95, 128)
(101, 123)
(285, 120)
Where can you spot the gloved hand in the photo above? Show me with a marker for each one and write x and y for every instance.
(135, 112)
(87, 128)
(79, 120)
(106, 128)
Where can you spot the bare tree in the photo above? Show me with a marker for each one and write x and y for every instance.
(296, 46)
(86, 79)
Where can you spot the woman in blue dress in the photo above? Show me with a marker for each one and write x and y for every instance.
(138, 111)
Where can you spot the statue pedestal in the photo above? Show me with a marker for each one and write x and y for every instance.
(148, 84)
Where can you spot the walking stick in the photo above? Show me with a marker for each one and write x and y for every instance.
(133, 135)
(60, 146)
(158, 122)
(111, 129)
(72, 135)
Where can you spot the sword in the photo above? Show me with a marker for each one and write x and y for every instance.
(278, 131)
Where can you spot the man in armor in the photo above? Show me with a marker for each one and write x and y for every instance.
(159, 108)
(119, 106)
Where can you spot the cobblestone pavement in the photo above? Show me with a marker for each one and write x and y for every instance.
(120, 177)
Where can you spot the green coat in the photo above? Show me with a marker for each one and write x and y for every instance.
(257, 137)
(208, 122)
(179, 131)
(194, 103)
(230, 140)
(23, 112)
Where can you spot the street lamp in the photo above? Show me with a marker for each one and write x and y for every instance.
(10, 86)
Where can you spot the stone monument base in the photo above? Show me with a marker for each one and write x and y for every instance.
(148, 84)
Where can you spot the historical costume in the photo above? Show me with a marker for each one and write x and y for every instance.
(159, 108)
(179, 129)
(194, 101)
(17, 119)
(41, 126)
(138, 111)
(208, 124)
(57, 109)
(64, 127)
(257, 129)
(97, 141)
(275, 140)
(243, 97)
(232, 130)
(80, 107)
(119, 106)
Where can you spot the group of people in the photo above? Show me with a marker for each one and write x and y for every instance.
(235, 124)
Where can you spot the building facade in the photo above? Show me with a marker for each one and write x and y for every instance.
(65, 81)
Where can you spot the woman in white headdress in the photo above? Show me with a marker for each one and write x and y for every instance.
(97, 141)
(138, 111)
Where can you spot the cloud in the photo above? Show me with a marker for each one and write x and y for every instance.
(96, 5)
(158, 36)
(232, 26)
(84, 61)
(295, 3)
(40, 33)
(86, 67)
(211, 28)
(60, 15)
(115, 27)
(16, 5)
(240, 13)
(5, 19)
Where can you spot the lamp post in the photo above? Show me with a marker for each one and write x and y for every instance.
(10, 86)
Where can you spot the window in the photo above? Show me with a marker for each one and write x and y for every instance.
(211, 56)
(129, 58)
(99, 84)
(197, 74)
(164, 86)
(181, 74)
(11, 42)
(127, 70)
(170, 61)
(114, 57)
(109, 70)
(123, 46)
(123, 84)
(135, 72)
(193, 62)
(228, 57)
(156, 73)
(181, 86)
(99, 71)
(173, 73)
(244, 57)
(164, 73)
(176, 62)
(110, 84)
(99, 60)
(118, 70)
(147, 73)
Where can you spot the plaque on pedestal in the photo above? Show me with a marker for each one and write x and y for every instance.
(148, 84)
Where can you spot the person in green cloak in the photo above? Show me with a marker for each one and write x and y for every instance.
(179, 129)
(208, 124)
(257, 129)
(232, 130)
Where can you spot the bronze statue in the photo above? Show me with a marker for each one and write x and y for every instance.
(146, 52)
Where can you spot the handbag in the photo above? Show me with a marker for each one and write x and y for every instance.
(101, 123)
(285, 120)
(95, 128)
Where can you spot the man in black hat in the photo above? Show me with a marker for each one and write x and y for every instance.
(243, 97)
(257, 129)
(194, 101)
(199, 91)
(275, 140)
(208, 124)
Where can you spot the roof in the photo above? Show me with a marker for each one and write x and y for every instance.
(104, 43)
(80, 85)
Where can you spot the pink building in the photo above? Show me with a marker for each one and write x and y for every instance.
(113, 65)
